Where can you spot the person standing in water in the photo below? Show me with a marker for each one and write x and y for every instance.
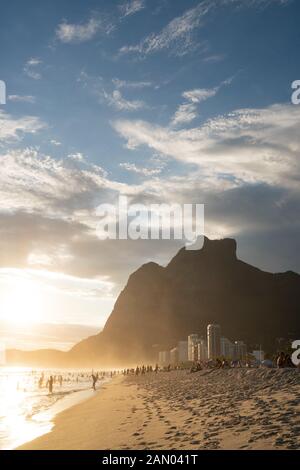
(50, 384)
(95, 379)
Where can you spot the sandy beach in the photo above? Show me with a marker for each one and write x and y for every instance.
(211, 409)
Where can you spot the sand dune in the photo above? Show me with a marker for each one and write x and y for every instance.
(219, 409)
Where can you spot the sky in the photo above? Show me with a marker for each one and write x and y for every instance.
(160, 100)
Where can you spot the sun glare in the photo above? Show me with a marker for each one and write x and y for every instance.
(21, 303)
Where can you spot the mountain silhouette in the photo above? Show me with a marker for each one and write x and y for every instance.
(161, 305)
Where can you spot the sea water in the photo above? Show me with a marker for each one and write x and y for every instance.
(27, 408)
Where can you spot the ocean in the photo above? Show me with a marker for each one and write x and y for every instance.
(27, 408)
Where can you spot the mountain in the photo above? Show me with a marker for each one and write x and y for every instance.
(161, 305)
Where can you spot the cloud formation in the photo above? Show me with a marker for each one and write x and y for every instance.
(71, 33)
(116, 100)
(247, 145)
(131, 7)
(22, 99)
(12, 128)
(177, 37)
(32, 68)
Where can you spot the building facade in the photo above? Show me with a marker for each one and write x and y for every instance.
(240, 351)
(192, 344)
(164, 358)
(214, 341)
(227, 348)
(202, 350)
(182, 347)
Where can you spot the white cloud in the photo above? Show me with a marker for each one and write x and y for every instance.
(70, 33)
(248, 145)
(185, 113)
(200, 94)
(176, 36)
(22, 99)
(14, 128)
(78, 157)
(131, 7)
(131, 167)
(55, 142)
(116, 100)
(31, 68)
(33, 181)
(131, 84)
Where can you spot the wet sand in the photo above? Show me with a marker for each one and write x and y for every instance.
(218, 409)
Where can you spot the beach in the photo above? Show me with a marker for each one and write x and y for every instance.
(210, 409)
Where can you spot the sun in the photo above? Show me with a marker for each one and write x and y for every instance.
(21, 303)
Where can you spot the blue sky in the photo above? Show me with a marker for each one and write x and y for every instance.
(167, 100)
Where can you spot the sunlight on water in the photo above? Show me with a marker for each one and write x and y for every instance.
(26, 406)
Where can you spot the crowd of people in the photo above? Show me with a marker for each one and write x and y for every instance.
(281, 360)
(141, 370)
(284, 360)
(59, 379)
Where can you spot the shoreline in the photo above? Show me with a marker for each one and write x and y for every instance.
(225, 409)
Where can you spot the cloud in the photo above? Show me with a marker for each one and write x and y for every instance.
(60, 188)
(22, 99)
(131, 84)
(131, 167)
(70, 33)
(31, 68)
(200, 94)
(187, 112)
(176, 36)
(247, 145)
(113, 98)
(55, 142)
(131, 7)
(116, 100)
(12, 129)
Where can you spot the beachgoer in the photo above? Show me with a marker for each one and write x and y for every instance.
(95, 379)
(50, 384)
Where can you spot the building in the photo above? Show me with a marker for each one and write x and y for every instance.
(182, 347)
(214, 341)
(240, 350)
(174, 356)
(259, 355)
(227, 348)
(202, 350)
(192, 350)
(164, 358)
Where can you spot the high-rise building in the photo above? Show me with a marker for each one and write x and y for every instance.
(192, 343)
(182, 347)
(164, 358)
(240, 350)
(174, 356)
(227, 348)
(214, 341)
(202, 350)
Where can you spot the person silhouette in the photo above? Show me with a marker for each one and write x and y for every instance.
(50, 384)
